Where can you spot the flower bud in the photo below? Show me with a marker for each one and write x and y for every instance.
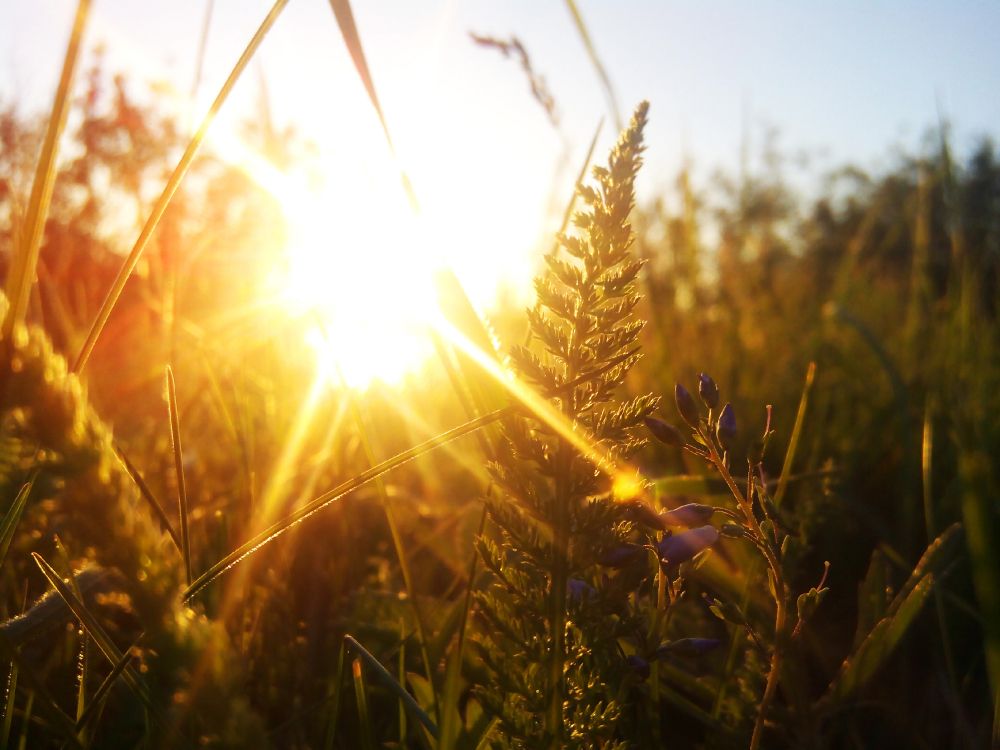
(690, 515)
(726, 429)
(665, 433)
(679, 548)
(579, 590)
(642, 513)
(688, 647)
(733, 531)
(686, 406)
(639, 665)
(708, 391)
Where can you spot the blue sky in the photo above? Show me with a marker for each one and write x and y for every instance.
(844, 81)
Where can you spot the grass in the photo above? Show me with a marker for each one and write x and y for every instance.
(593, 570)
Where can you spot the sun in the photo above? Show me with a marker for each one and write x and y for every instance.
(361, 273)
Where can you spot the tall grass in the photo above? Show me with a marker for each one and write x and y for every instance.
(757, 576)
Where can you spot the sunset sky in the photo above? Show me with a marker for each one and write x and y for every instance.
(841, 82)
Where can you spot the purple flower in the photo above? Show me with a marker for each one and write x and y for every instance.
(726, 429)
(665, 433)
(678, 548)
(640, 512)
(690, 515)
(686, 406)
(688, 647)
(708, 391)
(640, 665)
(579, 590)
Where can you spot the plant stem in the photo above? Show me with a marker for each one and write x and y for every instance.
(780, 594)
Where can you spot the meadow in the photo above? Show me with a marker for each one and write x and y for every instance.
(730, 480)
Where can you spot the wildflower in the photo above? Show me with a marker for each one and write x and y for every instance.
(579, 590)
(726, 429)
(678, 548)
(708, 391)
(690, 515)
(688, 647)
(665, 433)
(639, 665)
(640, 512)
(686, 406)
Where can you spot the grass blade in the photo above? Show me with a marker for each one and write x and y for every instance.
(171, 187)
(93, 628)
(361, 696)
(793, 442)
(149, 497)
(390, 682)
(349, 30)
(595, 59)
(92, 711)
(333, 697)
(875, 650)
(21, 275)
(175, 444)
(13, 516)
(34, 683)
(280, 527)
(8, 709)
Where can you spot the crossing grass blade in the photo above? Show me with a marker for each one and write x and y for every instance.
(170, 188)
(24, 262)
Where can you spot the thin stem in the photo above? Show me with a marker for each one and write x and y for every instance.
(780, 592)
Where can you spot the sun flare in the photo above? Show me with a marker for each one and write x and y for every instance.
(359, 271)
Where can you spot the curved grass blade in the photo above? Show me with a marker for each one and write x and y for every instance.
(148, 496)
(390, 682)
(171, 187)
(175, 444)
(21, 275)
